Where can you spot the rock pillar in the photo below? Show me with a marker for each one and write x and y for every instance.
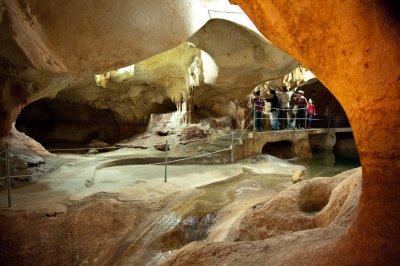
(353, 47)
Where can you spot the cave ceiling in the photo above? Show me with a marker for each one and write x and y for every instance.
(132, 57)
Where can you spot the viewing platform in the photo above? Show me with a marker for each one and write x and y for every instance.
(297, 142)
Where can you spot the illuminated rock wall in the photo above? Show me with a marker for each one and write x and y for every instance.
(353, 48)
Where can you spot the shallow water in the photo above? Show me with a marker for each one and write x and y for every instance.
(327, 163)
(192, 220)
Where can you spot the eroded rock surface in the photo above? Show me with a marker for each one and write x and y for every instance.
(344, 32)
(64, 90)
(297, 208)
(89, 230)
(275, 232)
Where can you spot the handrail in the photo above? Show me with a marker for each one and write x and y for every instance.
(165, 163)
(191, 157)
(244, 131)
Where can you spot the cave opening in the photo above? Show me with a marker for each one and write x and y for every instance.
(329, 111)
(61, 124)
(345, 145)
(280, 149)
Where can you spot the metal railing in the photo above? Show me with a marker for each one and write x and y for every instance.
(8, 177)
(294, 119)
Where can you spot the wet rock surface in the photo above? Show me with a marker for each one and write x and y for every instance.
(279, 229)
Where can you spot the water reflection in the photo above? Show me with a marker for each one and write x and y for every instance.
(327, 163)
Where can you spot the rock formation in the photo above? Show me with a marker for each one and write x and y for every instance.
(310, 214)
(352, 69)
(54, 50)
(51, 74)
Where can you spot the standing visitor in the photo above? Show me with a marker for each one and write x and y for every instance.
(301, 103)
(293, 111)
(258, 106)
(311, 112)
(284, 98)
(275, 105)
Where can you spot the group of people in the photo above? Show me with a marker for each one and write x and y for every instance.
(297, 111)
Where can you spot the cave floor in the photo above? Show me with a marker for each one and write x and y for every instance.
(79, 178)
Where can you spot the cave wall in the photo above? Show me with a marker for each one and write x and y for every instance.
(326, 105)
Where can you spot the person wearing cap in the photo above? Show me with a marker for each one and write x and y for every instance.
(302, 104)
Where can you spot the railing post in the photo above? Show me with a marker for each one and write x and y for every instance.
(305, 118)
(254, 117)
(8, 177)
(329, 120)
(232, 147)
(166, 160)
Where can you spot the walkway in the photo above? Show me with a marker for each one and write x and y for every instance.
(248, 143)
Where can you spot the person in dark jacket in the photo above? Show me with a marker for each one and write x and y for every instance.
(275, 108)
(258, 104)
(302, 104)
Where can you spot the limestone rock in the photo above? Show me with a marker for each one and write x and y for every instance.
(343, 203)
(228, 45)
(92, 151)
(283, 249)
(98, 144)
(160, 147)
(280, 250)
(85, 232)
(98, 35)
(291, 210)
(298, 175)
(370, 239)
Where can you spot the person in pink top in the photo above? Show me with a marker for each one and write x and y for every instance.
(310, 112)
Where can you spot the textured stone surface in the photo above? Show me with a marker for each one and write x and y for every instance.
(200, 78)
(291, 210)
(85, 232)
(92, 36)
(351, 46)
(344, 32)
(281, 250)
(242, 56)
(343, 203)
(297, 176)
(282, 223)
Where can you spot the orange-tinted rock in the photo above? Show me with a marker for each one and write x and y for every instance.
(353, 48)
